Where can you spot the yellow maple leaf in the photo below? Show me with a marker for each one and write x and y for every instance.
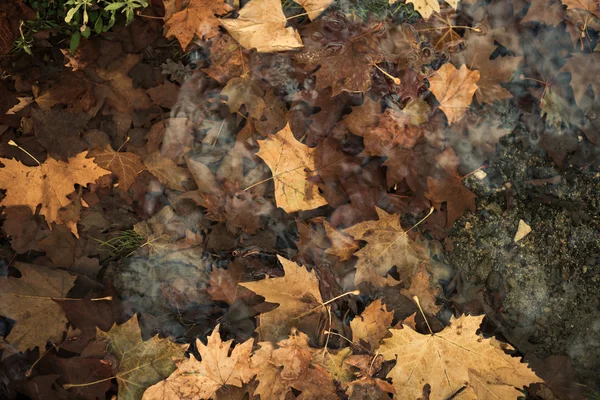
(454, 90)
(48, 184)
(261, 24)
(289, 161)
(451, 359)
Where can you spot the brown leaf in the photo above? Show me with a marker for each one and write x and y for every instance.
(296, 293)
(387, 246)
(420, 287)
(372, 325)
(454, 90)
(198, 18)
(48, 185)
(291, 164)
(314, 8)
(72, 89)
(217, 369)
(261, 24)
(6, 35)
(345, 50)
(550, 12)
(28, 301)
(452, 358)
(579, 65)
(126, 166)
(589, 5)
(451, 190)
(342, 245)
(245, 91)
(24, 229)
(166, 171)
(60, 132)
(227, 59)
(165, 95)
(139, 364)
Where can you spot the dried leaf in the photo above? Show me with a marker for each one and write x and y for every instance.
(48, 185)
(420, 287)
(314, 8)
(387, 246)
(342, 245)
(297, 293)
(261, 24)
(454, 90)
(202, 379)
(126, 166)
(372, 325)
(452, 358)
(166, 171)
(291, 164)
(140, 364)
(198, 18)
(28, 301)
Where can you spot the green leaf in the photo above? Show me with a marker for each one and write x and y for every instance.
(98, 26)
(75, 39)
(114, 6)
(86, 32)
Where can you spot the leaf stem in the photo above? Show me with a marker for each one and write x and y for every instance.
(72, 385)
(12, 143)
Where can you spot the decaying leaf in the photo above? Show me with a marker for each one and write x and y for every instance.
(314, 8)
(140, 364)
(454, 90)
(421, 287)
(198, 18)
(297, 294)
(261, 25)
(291, 163)
(166, 171)
(126, 166)
(451, 359)
(48, 184)
(29, 301)
(372, 325)
(202, 379)
(387, 246)
(342, 245)
(427, 7)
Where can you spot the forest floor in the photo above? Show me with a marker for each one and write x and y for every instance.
(366, 199)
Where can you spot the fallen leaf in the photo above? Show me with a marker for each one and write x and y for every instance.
(48, 184)
(291, 164)
(72, 89)
(60, 132)
(522, 230)
(29, 301)
(451, 359)
(6, 35)
(165, 95)
(342, 245)
(261, 24)
(589, 5)
(388, 245)
(166, 171)
(245, 91)
(345, 50)
(227, 59)
(454, 90)
(421, 288)
(297, 293)
(219, 368)
(550, 12)
(579, 65)
(372, 325)
(427, 7)
(126, 166)
(451, 190)
(198, 18)
(314, 8)
(139, 364)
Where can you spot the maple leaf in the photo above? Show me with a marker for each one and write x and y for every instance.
(227, 59)
(244, 90)
(289, 161)
(592, 6)
(346, 52)
(451, 190)
(342, 245)
(314, 8)
(420, 287)
(579, 65)
(60, 132)
(139, 364)
(126, 166)
(427, 7)
(478, 49)
(450, 359)
(454, 90)
(198, 18)
(291, 366)
(48, 184)
(261, 24)
(73, 89)
(372, 325)
(387, 246)
(29, 301)
(550, 12)
(297, 294)
(202, 379)
(166, 171)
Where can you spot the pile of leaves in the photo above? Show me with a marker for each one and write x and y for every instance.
(249, 199)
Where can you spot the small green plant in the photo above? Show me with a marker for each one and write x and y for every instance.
(75, 18)
(123, 244)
